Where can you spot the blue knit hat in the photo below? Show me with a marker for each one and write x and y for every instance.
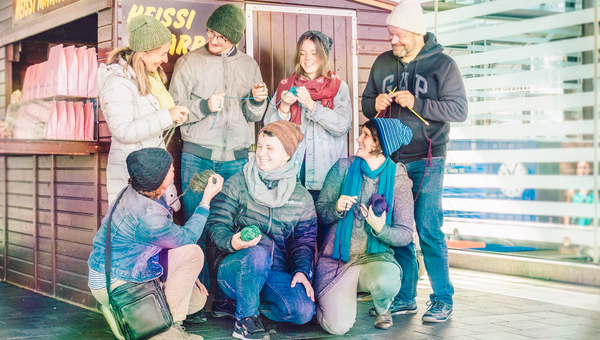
(393, 134)
(148, 168)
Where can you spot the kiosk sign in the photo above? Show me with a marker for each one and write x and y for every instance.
(24, 10)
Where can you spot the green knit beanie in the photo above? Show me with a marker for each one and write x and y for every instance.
(229, 21)
(146, 33)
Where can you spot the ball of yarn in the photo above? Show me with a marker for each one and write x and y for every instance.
(293, 91)
(199, 180)
(249, 233)
(379, 204)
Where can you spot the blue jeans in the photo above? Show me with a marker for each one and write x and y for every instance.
(246, 276)
(429, 217)
(190, 164)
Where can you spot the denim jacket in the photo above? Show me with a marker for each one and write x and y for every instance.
(140, 229)
(325, 132)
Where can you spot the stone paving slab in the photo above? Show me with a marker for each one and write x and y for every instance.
(477, 315)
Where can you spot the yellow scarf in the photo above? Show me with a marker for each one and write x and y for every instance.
(158, 89)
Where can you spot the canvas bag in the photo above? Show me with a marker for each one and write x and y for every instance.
(89, 120)
(72, 70)
(56, 74)
(61, 121)
(52, 124)
(93, 69)
(79, 121)
(70, 127)
(82, 60)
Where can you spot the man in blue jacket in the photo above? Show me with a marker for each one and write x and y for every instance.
(271, 273)
(418, 84)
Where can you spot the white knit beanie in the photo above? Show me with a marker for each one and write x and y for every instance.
(408, 15)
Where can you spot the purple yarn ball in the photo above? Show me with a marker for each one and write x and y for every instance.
(379, 204)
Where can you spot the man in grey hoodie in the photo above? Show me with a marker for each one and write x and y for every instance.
(223, 89)
(418, 84)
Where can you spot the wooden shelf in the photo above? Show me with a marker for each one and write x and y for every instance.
(51, 147)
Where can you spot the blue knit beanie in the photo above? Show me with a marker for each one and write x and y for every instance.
(393, 134)
(148, 168)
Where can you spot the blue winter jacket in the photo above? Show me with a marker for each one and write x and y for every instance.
(140, 229)
(289, 232)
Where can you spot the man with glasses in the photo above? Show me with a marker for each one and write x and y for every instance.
(223, 89)
(418, 84)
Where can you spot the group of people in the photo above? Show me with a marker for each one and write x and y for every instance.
(330, 226)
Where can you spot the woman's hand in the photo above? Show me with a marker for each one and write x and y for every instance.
(179, 114)
(213, 187)
(216, 102)
(202, 288)
(305, 99)
(287, 100)
(238, 244)
(377, 223)
(344, 203)
(301, 278)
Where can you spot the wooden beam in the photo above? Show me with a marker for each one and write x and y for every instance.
(49, 147)
(387, 5)
(35, 223)
(96, 191)
(5, 220)
(53, 219)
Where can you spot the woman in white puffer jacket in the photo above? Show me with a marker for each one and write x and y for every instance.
(134, 100)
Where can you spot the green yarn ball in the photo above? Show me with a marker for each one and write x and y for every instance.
(199, 180)
(249, 233)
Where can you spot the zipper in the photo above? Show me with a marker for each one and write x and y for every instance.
(226, 132)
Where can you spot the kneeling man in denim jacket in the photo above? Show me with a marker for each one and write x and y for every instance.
(142, 225)
(271, 273)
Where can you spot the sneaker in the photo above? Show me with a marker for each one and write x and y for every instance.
(384, 321)
(438, 311)
(398, 307)
(224, 308)
(250, 328)
(196, 318)
(177, 332)
(270, 326)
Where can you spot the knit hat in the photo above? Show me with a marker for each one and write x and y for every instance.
(228, 20)
(148, 168)
(392, 133)
(288, 133)
(327, 41)
(146, 33)
(408, 15)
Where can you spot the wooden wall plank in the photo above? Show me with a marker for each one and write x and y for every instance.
(83, 297)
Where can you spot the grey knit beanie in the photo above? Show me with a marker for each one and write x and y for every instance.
(148, 168)
(327, 41)
(146, 33)
(229, 21)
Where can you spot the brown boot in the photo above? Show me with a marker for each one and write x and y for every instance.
(384, 321)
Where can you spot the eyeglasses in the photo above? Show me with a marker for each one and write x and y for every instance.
(212, 34)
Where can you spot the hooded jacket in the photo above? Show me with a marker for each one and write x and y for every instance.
(440, 98)
(135, 121)
(200, 74)
(289, 232)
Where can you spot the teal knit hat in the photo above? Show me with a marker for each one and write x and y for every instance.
(146, 33)
(229, 21)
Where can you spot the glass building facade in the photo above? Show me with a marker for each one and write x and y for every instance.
(521, 175)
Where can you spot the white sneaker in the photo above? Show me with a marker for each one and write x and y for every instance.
(177, 332)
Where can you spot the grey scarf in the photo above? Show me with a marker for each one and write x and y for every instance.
(282, 183)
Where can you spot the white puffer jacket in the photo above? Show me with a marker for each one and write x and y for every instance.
(135, 121)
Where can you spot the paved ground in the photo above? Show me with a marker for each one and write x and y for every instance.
(478, 314)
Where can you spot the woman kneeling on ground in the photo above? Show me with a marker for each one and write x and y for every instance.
(368, 204)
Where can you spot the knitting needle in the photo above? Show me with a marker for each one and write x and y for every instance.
(390, 91)
(416, 114)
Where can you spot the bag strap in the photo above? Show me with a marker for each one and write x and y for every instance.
(107, 246)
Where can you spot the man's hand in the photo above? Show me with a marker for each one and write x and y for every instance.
(383, 101)
(202, 288)
(305, 99)
(213, 187)
(404, 98)
(238, 244)
(301, 278)
(216, 102)
(260, 92)
(344, 203)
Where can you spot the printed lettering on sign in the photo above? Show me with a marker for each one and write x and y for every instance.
(186, 20)
(27, 10)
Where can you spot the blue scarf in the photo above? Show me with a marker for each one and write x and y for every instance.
(352, 187)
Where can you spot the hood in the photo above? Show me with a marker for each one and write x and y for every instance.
(431, 47)
(105, 72)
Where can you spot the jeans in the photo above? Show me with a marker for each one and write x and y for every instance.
(246, 276)
(190, 164)
(337, 308)
(429, 217)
